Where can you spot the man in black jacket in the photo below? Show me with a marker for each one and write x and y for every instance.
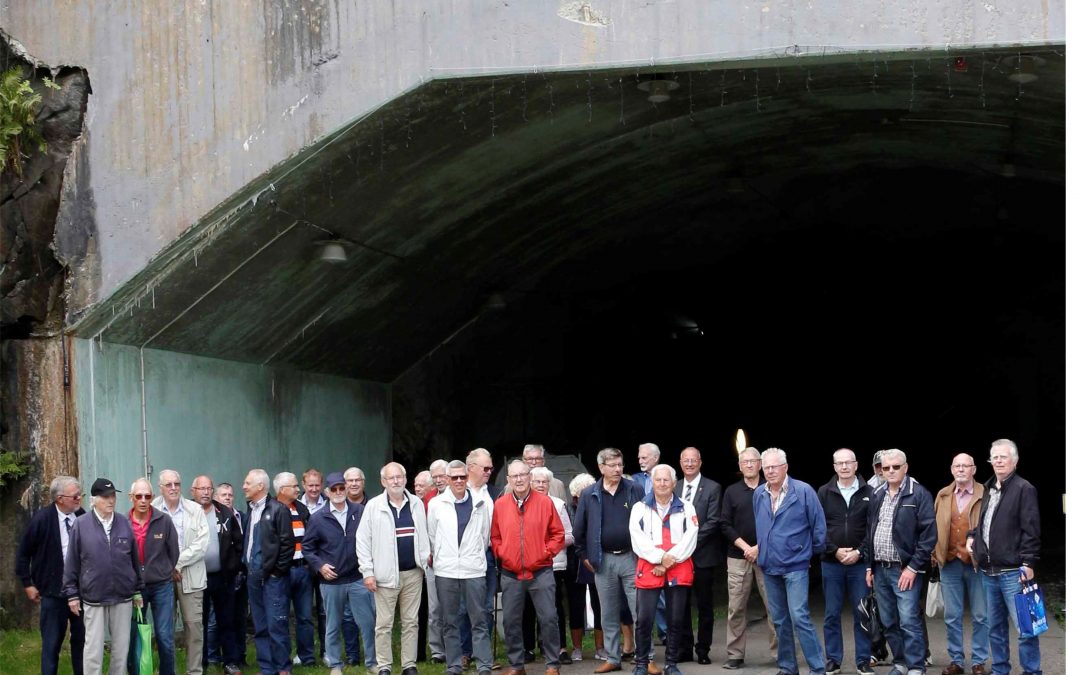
(1005, 547)
(901, 534)
(269, 546)
(845, 500)
(288, 490)
(222, 565)
(39, 565)
(705, 494)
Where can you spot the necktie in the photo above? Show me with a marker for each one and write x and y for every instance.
(689, 489)
(67, 524)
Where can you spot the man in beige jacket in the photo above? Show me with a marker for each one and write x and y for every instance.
(957, 509)
(193, 535)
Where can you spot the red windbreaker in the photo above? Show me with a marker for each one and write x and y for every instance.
(525, 540)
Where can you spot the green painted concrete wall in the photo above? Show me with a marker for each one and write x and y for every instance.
(221, 417)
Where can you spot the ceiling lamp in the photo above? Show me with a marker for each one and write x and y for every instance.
(1022, 67)
(658, 89)
(332, 251)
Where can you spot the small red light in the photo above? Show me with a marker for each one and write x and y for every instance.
(960, 64)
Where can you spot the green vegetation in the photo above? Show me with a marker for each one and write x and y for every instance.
(12, 467)
(19, 106)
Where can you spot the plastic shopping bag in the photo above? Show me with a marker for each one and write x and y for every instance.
(1030, 609)
(144, 651)
(935, 600)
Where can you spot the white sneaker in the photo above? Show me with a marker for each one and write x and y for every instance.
(600, 655)
(335, 671)
(575, 655)
(296, 660)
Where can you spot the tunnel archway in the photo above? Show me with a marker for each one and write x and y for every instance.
(854, 251)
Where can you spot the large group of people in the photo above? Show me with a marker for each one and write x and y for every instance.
(641, 550)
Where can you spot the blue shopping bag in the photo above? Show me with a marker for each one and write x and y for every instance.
(1030, 609)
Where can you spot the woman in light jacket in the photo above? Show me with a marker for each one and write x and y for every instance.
(540, 479)
(663, 533)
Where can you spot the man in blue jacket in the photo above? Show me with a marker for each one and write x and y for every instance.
(790, 531)
(900, 536)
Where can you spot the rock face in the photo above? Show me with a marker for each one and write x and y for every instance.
(46, 228)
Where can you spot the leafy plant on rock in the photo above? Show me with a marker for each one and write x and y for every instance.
(19, 106)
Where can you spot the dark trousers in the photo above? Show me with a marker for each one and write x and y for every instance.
(270, 613)
(679, 629)
(529, 615)
(300, 597)
(220, 595)
(54, 621)
(422, 622)
(703, 598)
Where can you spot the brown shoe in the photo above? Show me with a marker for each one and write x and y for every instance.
(516, 671)
(978, 669)
(655, 669)
(551, 670)
(952, 669)
(608, 667)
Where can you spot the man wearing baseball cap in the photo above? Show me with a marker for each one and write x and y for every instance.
(102, 579)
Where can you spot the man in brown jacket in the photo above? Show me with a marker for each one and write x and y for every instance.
(957, 510)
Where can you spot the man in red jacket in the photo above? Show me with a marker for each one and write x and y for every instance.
(526, 534)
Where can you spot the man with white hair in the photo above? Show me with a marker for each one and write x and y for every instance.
(1005, 547)
(102, 578)
(790, 531)
(480, 466)
(534, 456)
(439, 480)
(392, 547)
(193, 536)
(156, 540)
(900, 539)
(540, 481)
(288, 491)
(39, 565)
(648, 456)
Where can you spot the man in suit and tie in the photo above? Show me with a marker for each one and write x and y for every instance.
(705, 494)
(39, 564)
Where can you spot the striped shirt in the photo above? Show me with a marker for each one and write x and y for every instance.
(297, 530)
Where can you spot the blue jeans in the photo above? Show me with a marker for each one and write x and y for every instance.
(161, 601)
(53, 621)
(839, 581)
(787, 597)
(360, 603)
(1001, 590)
(900, 615)
(300, 596)
(269, 600)
(960, 582)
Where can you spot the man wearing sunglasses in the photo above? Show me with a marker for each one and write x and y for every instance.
(155, 537)
(900, 538)
(223, 554)
(479, 466)
(39, 564)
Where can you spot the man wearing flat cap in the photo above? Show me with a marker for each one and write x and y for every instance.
(102, 578)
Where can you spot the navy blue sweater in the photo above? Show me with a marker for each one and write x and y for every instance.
(325, 542)
(39, 562)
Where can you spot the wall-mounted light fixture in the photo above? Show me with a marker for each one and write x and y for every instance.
(1021, 68)
(332, 251)
(658, 88)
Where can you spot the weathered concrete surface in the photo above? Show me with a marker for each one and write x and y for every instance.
(195, 100)
(39, 424)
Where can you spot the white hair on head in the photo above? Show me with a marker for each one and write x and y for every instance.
(579, 483)
(1006, 443)
(541, 473)
(894, 452)
(652, 448)
(662, 467)
(776, 452)
(282, 479)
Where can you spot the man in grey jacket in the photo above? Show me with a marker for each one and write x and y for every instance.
(102, 578)
(392, 547)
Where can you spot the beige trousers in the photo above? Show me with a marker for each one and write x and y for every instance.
(407, 595)
(741, 577)
(191, 610)
(96, 618)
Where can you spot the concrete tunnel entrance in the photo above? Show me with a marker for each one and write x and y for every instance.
(851, 251)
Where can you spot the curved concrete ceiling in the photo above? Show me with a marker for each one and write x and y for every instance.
(568, 181)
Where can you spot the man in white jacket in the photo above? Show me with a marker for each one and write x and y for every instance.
(392, 547)
(459, 527)
(193, 535)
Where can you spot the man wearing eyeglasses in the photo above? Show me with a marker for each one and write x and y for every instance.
(193, 536)
(737, 525)
(526, 535)
(439, 480)
(392, 546)
(900, 538)
(156, 540)
(459, 528)
(845, 500)
(1005, 546)
(223, 554)
(329, 548)
(534, 456)
(790, 531)
(357, 628)
(288, 492)
(602, 543)
(39, 565)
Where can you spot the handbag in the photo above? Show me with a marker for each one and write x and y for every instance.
(1030, 609)
(144, 651)
(935, 600)
(869, 619)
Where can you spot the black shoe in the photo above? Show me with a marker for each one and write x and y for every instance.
(733, 664)
(438, 658)
(628, 656)
(530, 657)
(832, 667)
(411, 670)
(384, 671)
(564, 658)
(704, 659)
(231, 669)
